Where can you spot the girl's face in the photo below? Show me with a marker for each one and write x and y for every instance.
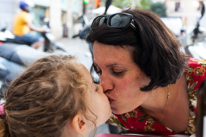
(120, 77)
(98, 101)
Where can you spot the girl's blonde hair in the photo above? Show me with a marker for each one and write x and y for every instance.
(41, 101)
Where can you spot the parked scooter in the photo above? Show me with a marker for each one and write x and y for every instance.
(8, 72)
(14, 58)
(49, 43)
(86, 28)
(195, 40)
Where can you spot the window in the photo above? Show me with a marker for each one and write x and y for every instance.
(177, 6)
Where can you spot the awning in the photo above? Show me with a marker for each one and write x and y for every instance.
(112, 9)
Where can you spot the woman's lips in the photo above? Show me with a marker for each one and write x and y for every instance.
(110, 99)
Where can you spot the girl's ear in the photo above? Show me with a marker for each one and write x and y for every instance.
(79, 123)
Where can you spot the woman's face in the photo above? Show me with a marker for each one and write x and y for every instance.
(98, 102)
(120, 77)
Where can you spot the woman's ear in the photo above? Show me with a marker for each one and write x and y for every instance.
(79, 123)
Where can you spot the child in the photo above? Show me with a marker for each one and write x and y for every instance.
(54, 97)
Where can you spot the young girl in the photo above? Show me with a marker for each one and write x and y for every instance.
(54, 97)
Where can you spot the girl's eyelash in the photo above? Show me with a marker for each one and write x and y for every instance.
(97, 88)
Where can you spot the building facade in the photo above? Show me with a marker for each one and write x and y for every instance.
(60, 13)
(8, 9)
(188, 10)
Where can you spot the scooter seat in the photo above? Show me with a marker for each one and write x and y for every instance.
(21, 54)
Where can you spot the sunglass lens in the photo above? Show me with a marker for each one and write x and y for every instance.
(119, 20)
(98, 21)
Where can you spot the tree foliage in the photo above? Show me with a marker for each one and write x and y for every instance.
(159, 8)
(146, 4)
(142, 4)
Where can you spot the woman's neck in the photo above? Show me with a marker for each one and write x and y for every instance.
(157, 103)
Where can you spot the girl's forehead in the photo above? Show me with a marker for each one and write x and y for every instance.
(84, 71)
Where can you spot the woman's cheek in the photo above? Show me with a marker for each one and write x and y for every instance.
(127, 84)
(124, 85)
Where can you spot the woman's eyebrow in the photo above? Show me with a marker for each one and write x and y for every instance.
(108, 65)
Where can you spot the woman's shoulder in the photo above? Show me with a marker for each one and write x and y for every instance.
(196, 70)
(195, 75)
(196, 62)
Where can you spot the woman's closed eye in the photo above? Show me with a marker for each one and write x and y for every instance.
(118, 72)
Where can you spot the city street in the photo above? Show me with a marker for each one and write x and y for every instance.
(163, 43)
(80, 49)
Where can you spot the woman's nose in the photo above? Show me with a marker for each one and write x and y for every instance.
(106, 84)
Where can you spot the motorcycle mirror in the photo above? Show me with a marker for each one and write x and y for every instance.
(108, 3)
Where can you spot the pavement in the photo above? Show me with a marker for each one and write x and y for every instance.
(80, 49)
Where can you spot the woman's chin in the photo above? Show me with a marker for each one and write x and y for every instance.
(117, 111)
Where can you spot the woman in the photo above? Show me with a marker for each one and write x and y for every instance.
(146, 77)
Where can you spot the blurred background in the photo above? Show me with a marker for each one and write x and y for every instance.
(65, 16)
(69, 24)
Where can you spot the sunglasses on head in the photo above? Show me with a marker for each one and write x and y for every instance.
(118, 20)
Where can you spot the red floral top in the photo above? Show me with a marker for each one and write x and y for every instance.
(138, 121)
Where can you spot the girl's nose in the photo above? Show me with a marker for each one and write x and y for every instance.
(100, 88)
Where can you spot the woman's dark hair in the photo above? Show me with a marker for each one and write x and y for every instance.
(156, 50)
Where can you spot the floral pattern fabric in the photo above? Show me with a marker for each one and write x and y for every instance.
(138, 121)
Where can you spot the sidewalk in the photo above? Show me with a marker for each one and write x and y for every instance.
(78, 48)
